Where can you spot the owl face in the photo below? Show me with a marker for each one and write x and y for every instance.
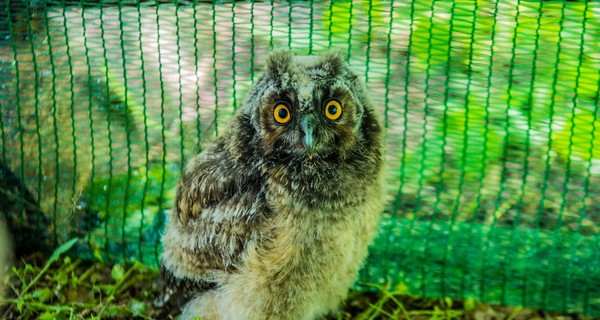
(307, 107)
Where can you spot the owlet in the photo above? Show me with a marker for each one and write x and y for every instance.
(273, 220)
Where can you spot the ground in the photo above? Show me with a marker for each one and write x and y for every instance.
(62, 287)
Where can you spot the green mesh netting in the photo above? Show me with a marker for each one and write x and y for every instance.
(490, 108)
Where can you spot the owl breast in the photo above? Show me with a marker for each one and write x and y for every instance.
(316, 249)
(321, 224)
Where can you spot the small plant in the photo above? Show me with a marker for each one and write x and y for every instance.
(66, 288)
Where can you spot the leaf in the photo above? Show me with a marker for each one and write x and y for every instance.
(42, 294)
(48, 315)
(61, 278)
(63, 248)
(448, 302)
(117, 272)
(98, 254)
(137, 308)
(114, 311)
(469, 304)
(401, 289)
(28, 268)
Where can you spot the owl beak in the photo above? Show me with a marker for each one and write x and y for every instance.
(308, 126)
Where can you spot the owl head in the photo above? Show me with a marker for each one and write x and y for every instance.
(307, 107)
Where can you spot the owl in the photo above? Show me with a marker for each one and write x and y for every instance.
(273, 220)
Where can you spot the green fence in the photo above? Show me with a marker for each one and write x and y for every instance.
(490, 108)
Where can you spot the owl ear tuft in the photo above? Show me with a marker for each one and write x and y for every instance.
(332, 61)
(278, 62)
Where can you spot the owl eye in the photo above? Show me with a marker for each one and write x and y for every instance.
(281, 113)
(333, 109)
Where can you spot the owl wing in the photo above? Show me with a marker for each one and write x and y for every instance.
(218, 205)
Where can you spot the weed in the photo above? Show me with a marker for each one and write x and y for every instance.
(66, 288)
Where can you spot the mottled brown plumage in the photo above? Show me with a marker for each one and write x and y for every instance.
(273, 220)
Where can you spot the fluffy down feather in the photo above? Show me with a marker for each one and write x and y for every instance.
(274, 219)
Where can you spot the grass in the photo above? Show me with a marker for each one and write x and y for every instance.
(62, 287)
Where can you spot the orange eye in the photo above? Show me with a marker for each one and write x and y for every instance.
(333, 109)
(281, 113)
